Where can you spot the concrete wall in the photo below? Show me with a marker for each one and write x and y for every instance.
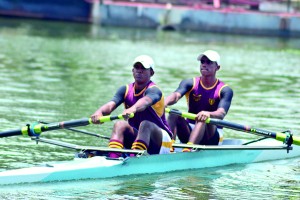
(156, 16)
(295, 24)
(201, 20)
(130, 16)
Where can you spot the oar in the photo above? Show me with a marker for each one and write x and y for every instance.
(81, 131)
(284, 137)
(37, 129)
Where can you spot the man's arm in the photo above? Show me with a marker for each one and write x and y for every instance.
(110, 106)
(223, 107)
(152, 96)
(182, 89)
(226, 97)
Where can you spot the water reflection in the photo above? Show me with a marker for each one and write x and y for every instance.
(158, 186)
(74, 30)
(253, 181)
(260, 181)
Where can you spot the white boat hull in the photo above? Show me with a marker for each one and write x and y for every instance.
(101, 167)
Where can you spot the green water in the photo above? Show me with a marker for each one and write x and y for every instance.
(56, 71)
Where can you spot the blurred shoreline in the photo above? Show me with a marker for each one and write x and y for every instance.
(245, 17)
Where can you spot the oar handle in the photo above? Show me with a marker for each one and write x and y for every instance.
(278, 136)
(180, 113)
(110, 117)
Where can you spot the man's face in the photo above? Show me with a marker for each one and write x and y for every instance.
(208, 67)
(140, 73)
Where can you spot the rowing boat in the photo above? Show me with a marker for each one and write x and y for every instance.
(231, 152)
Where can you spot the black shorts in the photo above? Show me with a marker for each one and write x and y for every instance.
(214, 140)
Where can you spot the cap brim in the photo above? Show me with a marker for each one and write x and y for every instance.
(144, 64)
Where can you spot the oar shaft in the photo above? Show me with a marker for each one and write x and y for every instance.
(82, 131)
(240, 127)
(11, 133)
(257, 131)
(66, 124)
(37, 129)
(278, 136)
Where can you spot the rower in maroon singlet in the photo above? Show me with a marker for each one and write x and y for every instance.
(148, 129)
(207, 97)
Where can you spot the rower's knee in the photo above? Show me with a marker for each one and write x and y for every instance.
(120, 124)
(146, 124)
(119, 127)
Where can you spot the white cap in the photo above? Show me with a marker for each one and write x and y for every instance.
(145, 60)
(211, 55)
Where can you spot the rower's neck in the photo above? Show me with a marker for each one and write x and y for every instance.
(208, 82)
(139, 87)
